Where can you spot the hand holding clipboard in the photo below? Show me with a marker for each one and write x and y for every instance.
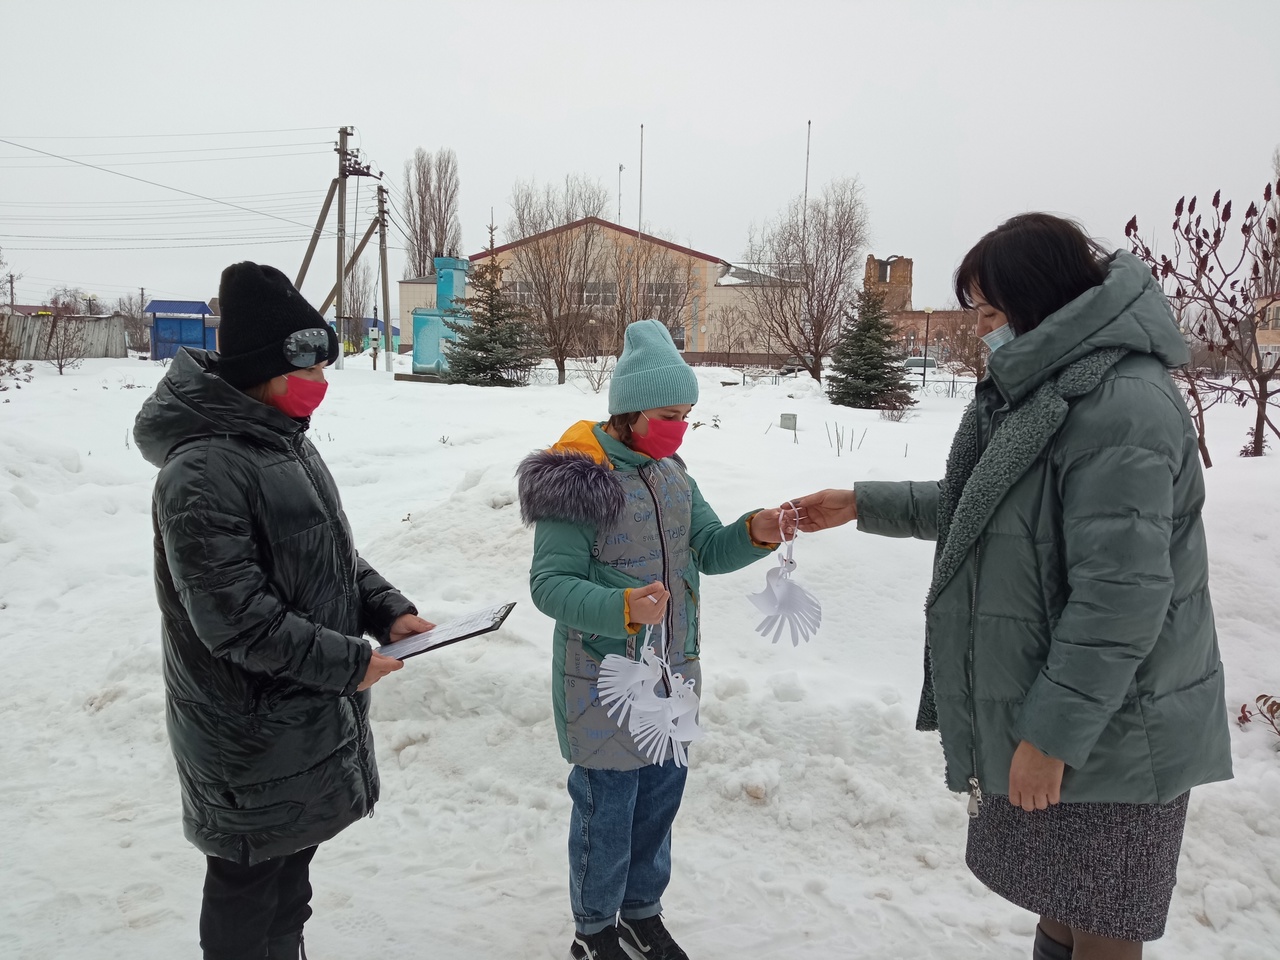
(461, 628)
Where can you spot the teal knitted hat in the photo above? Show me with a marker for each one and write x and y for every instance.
(650, 373)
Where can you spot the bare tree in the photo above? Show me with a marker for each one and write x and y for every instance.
(731, 330)
(652, 283)
(592, 364)
(960, 343)
(67, 342)
(814, 254)
(1226, 289)
(430, 210)
(1269, 279)
(358, 293)
(75, 301)
(559, 274)
(12, 370)
(137, 331)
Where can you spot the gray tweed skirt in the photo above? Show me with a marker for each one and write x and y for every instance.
(1105, 868)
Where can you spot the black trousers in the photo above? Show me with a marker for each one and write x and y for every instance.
(245, 907)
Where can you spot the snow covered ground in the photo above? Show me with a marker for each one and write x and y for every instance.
(816, 824)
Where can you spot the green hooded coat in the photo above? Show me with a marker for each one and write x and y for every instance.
(608, 520)
(1070, 601)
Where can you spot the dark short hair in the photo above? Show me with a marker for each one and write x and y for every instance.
(1030, 266)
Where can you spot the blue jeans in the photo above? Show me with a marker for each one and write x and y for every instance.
(620, 842)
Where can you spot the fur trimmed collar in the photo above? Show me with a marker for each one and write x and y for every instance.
(569, 485)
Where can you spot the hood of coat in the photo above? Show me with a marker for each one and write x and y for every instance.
(573, 481)
(193, 402)
(1127, 310)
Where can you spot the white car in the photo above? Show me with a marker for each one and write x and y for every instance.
(920, 363)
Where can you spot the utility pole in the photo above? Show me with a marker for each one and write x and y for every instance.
(339, 315)
(387, 352)
(639, 225)
(620, 169)
(12, 301)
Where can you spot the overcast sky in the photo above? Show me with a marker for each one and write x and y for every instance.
(953, 116)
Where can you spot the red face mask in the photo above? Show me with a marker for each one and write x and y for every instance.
(662, 440)
(301, 398)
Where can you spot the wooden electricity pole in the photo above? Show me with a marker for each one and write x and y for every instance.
(339, 316)
(387, 351)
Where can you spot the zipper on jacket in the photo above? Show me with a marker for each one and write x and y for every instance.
(662, 542)
(975, 789)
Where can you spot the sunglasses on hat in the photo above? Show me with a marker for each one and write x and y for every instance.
(306, 348)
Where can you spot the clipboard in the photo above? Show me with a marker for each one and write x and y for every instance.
(460, 628)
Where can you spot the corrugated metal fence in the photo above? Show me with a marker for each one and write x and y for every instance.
(100, 336)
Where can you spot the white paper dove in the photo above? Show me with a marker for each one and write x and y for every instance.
(659, 724)
(785, 603)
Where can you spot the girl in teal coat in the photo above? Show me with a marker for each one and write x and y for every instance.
(1072, 665)
(622, 535)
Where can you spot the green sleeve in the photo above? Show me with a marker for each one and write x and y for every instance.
(1116, 463)
(560, 584)
(717, 548)
(901, 509)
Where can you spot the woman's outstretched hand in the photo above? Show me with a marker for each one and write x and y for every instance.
(824, 509)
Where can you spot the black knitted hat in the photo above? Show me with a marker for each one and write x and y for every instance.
(260, 308)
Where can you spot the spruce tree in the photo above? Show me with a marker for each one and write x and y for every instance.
(865, 371)
(495, 345)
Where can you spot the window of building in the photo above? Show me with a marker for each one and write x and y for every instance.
(522, 293)
(602, 294)
(665, 294)
(885, 267)
(677, 334)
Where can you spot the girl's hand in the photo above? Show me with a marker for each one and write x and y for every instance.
(648, 604)
(766, 526)
(1035, 780)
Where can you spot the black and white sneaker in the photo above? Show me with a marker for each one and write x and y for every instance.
(597, 946)
(648, 939)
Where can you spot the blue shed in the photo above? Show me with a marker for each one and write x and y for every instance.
(181, 323)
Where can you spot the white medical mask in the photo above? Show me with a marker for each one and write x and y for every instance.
(998, 337)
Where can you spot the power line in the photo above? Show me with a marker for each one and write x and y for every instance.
(190, 246)
(146, 203)
(110, 167)
(246, 146)
(162, 186)
(151, 136)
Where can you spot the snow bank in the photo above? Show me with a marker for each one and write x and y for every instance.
(816, 823)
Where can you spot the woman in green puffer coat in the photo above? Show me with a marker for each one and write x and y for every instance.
(1072, 664)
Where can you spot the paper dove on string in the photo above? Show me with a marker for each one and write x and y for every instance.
(784, 602)
(659, 725)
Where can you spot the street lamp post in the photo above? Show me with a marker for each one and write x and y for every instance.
(924, 367)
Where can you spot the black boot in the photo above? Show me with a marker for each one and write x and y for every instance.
(1047, 948)
(288, 947)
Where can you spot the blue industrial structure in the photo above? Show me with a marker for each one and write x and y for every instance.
(181, 323)
(429, 332)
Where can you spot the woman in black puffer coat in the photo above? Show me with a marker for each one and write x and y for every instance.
(265, 605)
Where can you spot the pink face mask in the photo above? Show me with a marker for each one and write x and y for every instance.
(662, 440)
(301, 398)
